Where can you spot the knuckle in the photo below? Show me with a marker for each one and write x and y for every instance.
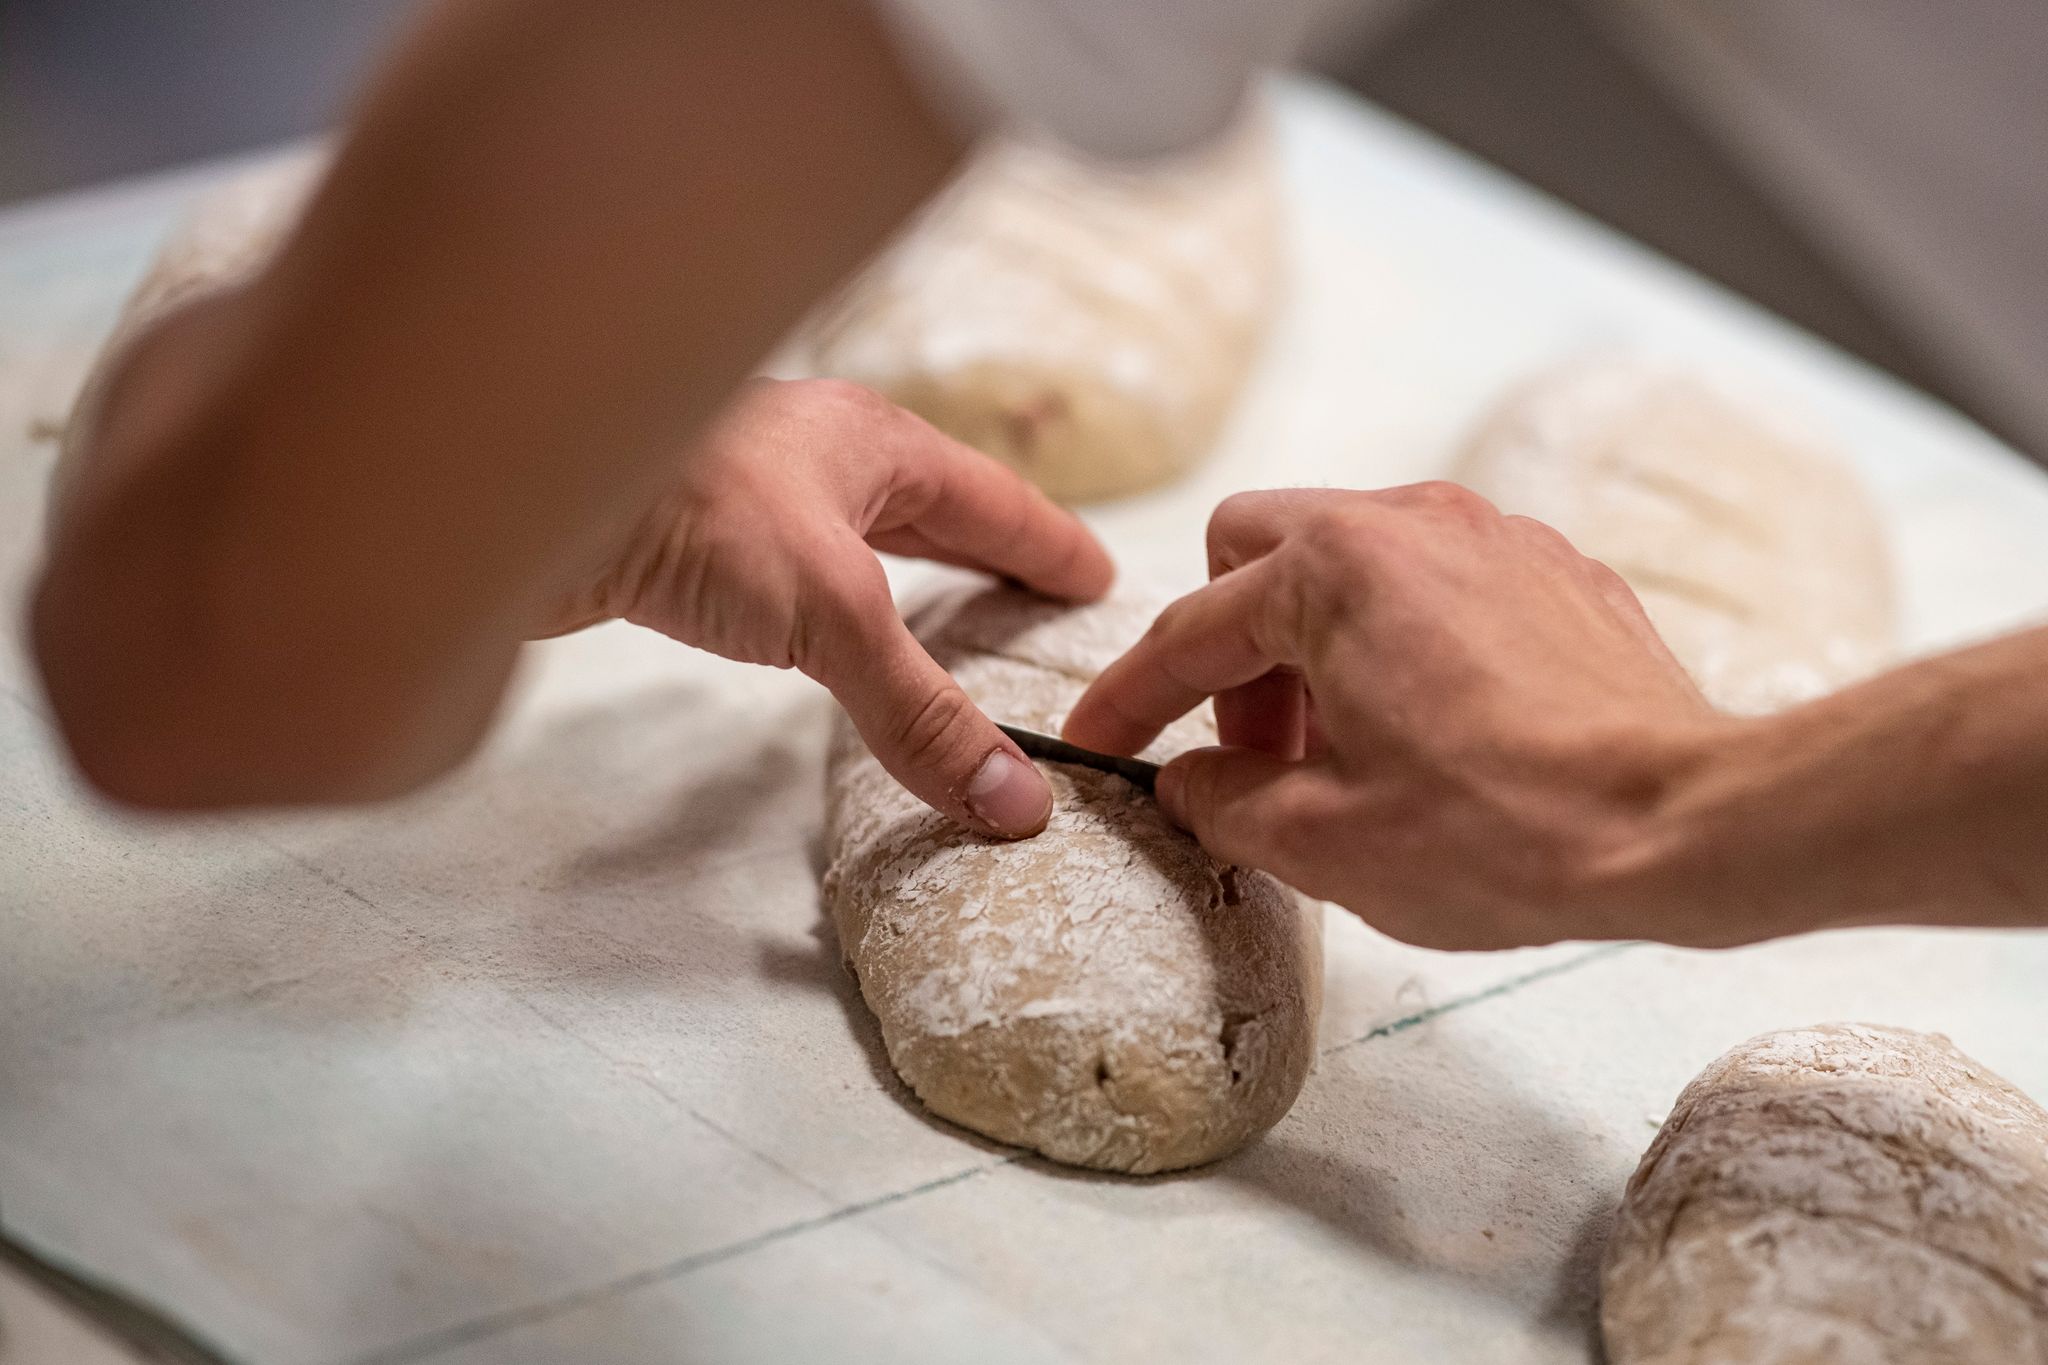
(1445, 500)
(1173, 620)
(1539, 533)
(931, 735)
(865, 402)
(1606, 578)
(842, 604)
(1301, 600)
(1341, 544)
(1451, 497)
(852, 401)
(1225, 521)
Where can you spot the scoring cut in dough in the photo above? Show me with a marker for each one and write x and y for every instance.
(1839, 1195)
(1755, 552)
(1105, 993)
(1088, 325)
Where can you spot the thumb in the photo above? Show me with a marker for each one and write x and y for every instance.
(933, 738)
(1244, 806)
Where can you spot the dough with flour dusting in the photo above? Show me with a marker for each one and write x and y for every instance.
(1105, 993)
(1089, 326)
(1839, 1195)
(1755, 551)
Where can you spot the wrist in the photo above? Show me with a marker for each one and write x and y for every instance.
(1690, 862)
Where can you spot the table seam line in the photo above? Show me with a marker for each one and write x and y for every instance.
(495, 1324)
(490, 1325)
(1431, 1013)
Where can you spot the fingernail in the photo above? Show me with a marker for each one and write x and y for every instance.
(1009, 796)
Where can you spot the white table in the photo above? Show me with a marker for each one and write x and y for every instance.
(555, 1064)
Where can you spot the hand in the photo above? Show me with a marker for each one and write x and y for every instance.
(763, 550)
(1444, 719)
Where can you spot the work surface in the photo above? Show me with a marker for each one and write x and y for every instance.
(556, 1062)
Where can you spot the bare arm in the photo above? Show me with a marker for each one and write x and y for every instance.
(1454, 724)
(323, 511)
(1918, 797)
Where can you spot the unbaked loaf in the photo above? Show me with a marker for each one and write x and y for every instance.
(1105, 993)
(1089, 326)
(1755, 552)
(1838, 1195)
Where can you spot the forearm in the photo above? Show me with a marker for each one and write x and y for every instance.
(1919, 797)
(557, 238)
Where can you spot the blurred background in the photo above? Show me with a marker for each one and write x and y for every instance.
(1871, 169)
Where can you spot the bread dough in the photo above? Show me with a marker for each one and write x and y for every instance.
(1088, 326)
(1105, 993)
(1755, 552)
(1839, 1194)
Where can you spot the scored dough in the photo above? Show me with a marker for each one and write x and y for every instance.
(1105, 993)
(1844, 1193)
(1087, 325)
(1755, 552)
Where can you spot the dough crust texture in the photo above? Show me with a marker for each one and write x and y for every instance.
(1090, 326)
(1754, 550)
(1105, 994)
(1839, 1195)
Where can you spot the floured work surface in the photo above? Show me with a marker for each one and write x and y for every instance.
(559, 1063)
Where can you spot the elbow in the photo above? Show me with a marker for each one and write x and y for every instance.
(153, 725)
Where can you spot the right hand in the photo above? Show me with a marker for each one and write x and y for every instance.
(1446, 720)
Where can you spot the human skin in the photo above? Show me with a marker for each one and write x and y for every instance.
(1455, 725)
(481, 386)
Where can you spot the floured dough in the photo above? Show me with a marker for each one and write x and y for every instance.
(1105, 993)
(1089, 326)
(1755, 552)
(1839, 1195)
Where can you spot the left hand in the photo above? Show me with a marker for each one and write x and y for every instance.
(762, 549)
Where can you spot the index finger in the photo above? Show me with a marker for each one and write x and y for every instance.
(978, 511)
(1225, 635)
(1249, 526)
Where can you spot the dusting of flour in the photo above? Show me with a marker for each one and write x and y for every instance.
(1105, 993)
(1838, 1193)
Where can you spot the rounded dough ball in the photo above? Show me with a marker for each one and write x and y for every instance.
(1105, 993)
(1755, 552)
(1840, 1195)
(1088, 325)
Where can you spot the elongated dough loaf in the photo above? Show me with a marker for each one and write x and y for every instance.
(1105, 993)
(1089, 326)
(1755, 552)
(1839, 1195)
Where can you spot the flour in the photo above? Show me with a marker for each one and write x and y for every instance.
(1089, 325)
(1105, 993)
(1838, 1193)
(1753, 549)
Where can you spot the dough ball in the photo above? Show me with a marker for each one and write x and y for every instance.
(1089, 326)
(1754, 551)
(1838, 1195)
(1105, 994)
